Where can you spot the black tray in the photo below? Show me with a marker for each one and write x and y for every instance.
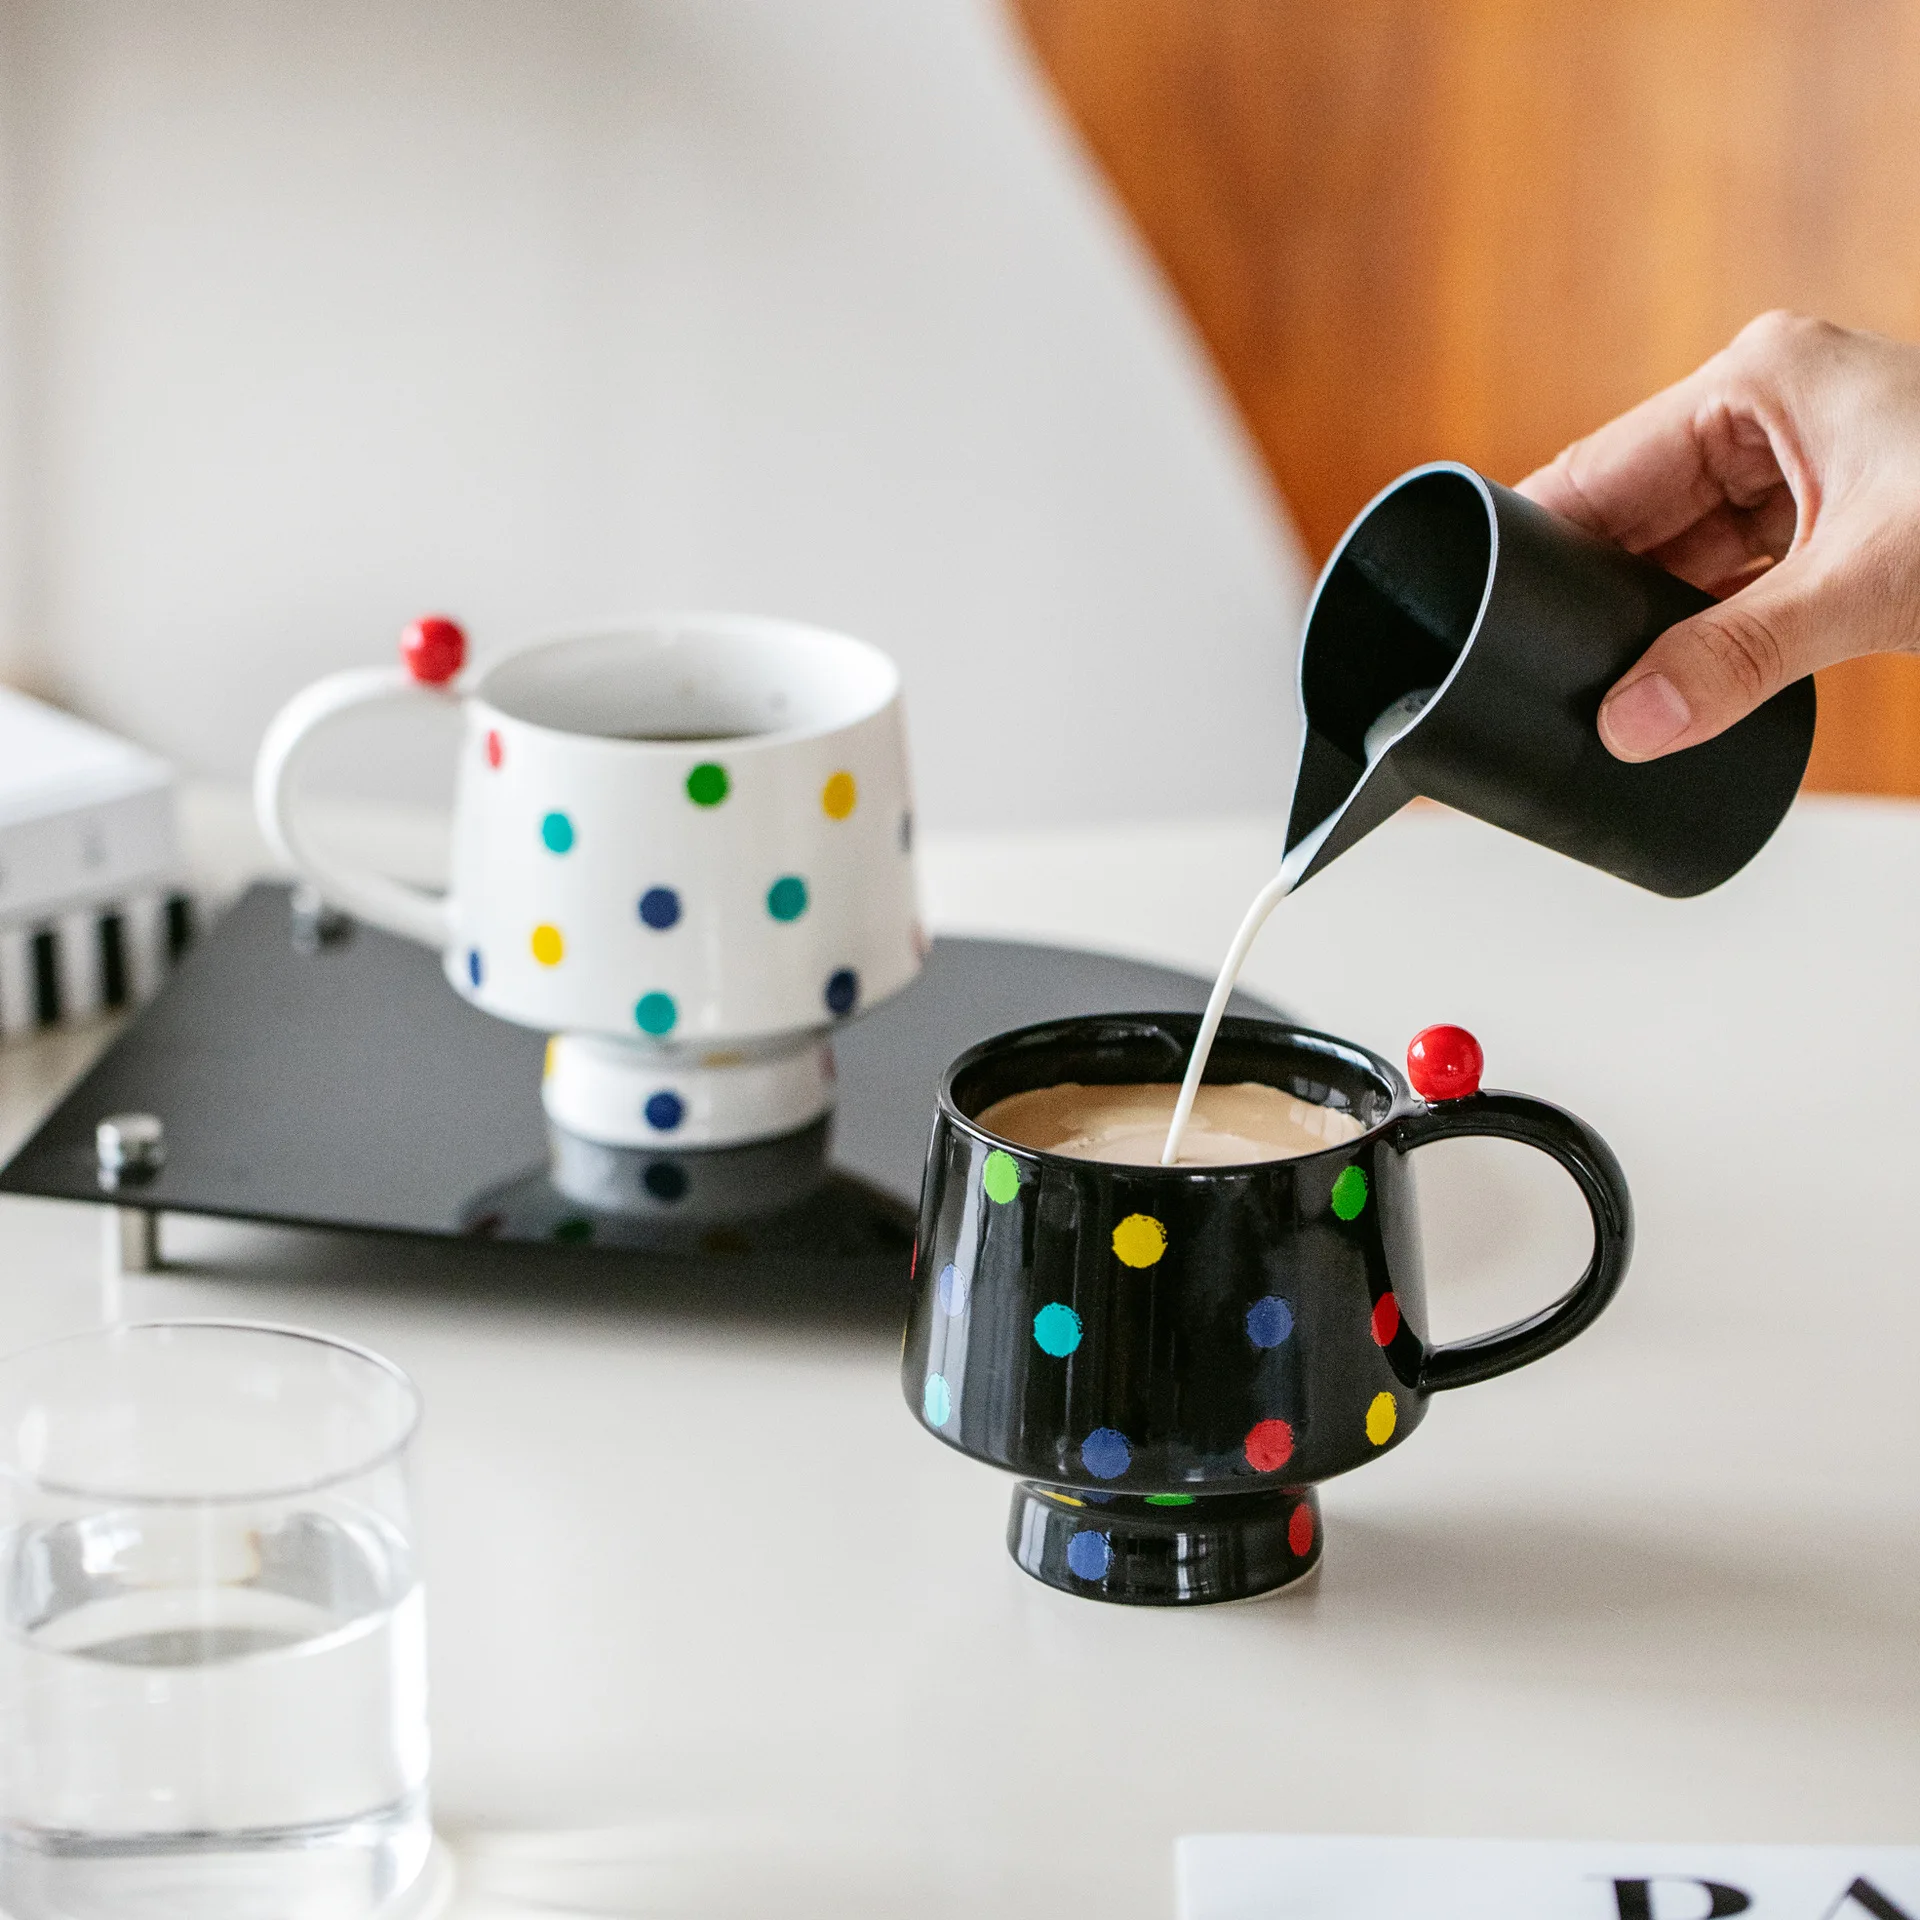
(345, 1085)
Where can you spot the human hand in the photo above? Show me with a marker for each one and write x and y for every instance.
(1784, 475)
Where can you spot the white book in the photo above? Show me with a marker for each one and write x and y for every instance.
(89, 855)
(1300, 1877)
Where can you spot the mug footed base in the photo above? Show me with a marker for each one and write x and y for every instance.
(1142, 1551)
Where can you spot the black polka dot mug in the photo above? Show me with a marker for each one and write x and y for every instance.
(683, 847)
(1175, 1357)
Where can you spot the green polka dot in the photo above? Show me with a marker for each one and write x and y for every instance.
(1350, 1193)
(1001, 1177)
(656, 1013)
(707, 784)
(1169, 1499)
(787, 897)
(573, 1233)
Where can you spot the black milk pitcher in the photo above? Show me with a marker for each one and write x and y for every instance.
(1458, 645)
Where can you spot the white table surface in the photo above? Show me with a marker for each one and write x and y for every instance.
(714, 1623)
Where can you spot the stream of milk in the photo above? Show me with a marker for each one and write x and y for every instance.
(1385, 730)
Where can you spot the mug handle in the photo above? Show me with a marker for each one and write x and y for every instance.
(1513, 1116)
(372, 897)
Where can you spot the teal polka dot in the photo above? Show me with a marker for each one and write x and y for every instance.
(656, 1013)
(1350, 1193)
(787, 897)
(557, 831)
(937, 1401)
(1056, 1328)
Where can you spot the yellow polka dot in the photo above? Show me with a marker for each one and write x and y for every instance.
(1382, 1417)
(1065, 1499)
(548, 947)
(839, 794)
(1139, 1240)
(553, 1047)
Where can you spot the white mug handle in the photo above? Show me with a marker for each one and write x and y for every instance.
(373, 897)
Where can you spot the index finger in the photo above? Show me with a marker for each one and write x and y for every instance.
(1643, 478)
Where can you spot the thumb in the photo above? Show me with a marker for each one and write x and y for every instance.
(1701, 676)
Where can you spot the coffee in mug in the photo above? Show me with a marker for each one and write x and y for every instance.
(1126, 1125)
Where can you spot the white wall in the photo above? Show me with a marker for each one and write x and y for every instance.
(327, 312)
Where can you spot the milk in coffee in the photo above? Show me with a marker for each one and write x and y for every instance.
(1230, 1125)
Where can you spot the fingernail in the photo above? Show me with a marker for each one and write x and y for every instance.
(1643, 719)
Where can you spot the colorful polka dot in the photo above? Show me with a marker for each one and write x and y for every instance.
(787, 897)
(843, 989)
(665, 1110)
(1089, 1555)
(1269, 1446)
(475, 971)
(550, 1056)
(839, 796)
(937, 1401)
(1105, 1453)
(707, 784)
(1139, 1240)
(666, 1180)
(1350, 1193)
(1169, 1499)
(660, 908)
(1386, 1319)
(1300, 1530)
(906, 832)
(1001, 1176)
(1382, 1417)
(1056, 1329)
(574, 1232)
(655, 1013)
(1269, 1321)
(556, 831)
(1064, 1499)
(495, 751)
(548, 947)
(954, 1290)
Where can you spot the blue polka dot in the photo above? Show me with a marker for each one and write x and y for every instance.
(954, 1289)
(557, 831)
(656, 1013)
(665, 1180)
(660, 908)
(1269, 1321)
(1105, 1453)
(1098, 1498)
(843, 990)
(1056, 1327)
(787, 897)
(1090, 1555)
(665, 1110)
(937, 1401)
(474, 970)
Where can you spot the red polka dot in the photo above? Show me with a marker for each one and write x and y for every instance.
(1386, 1319)
(495, 752)
(1269, 1446)
(1300, 1531)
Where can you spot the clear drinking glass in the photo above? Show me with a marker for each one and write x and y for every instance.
(212, 1652)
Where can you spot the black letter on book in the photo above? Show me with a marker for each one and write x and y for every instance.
(1634, 1898)
(1869, 1899)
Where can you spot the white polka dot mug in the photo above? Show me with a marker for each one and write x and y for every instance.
(684, 847)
